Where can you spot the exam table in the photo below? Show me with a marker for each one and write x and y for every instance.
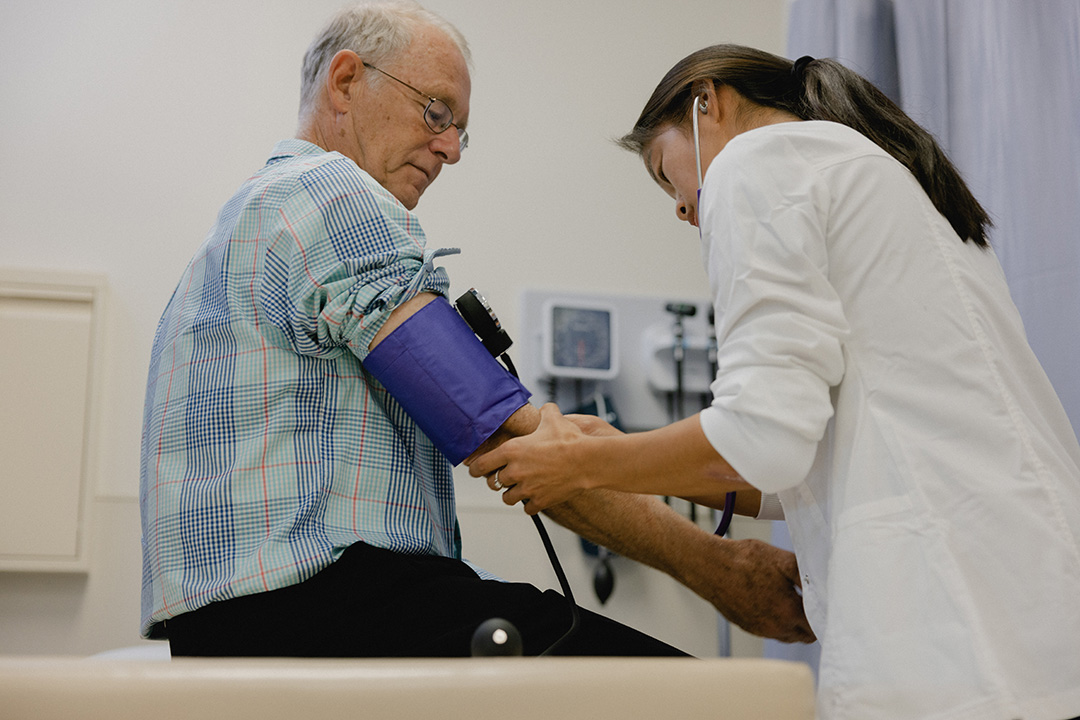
(47, 688)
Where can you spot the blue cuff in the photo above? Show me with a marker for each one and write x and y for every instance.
(440, 373)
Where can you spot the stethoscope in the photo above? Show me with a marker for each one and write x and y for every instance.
(701, 105)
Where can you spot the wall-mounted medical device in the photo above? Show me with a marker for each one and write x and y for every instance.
(622, 347)
(580, 339)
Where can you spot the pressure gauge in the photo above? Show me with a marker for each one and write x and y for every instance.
(479, 316)
(580, 340)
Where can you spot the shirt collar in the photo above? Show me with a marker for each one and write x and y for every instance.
(294, 147)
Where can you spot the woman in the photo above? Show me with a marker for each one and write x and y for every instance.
(874, 373)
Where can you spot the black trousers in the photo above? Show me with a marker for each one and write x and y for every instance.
(377, 603)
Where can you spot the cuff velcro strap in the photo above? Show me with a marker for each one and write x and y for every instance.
(441, 375)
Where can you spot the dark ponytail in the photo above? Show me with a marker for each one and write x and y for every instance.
(816, 90)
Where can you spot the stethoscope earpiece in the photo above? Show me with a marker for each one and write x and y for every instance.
(702, 105)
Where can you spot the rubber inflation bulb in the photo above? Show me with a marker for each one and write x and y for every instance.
(603, 580)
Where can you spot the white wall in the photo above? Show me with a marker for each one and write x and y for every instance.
(125, 124)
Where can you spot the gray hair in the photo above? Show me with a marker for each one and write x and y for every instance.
(376, 32)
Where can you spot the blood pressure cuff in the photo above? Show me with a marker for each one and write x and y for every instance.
(440, 373)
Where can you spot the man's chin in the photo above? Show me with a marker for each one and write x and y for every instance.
(408, 195)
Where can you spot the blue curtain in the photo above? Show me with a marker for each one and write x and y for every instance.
(998, 84)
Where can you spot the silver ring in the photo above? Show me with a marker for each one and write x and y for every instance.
(498, 485)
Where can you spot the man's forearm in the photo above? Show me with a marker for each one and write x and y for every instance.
(639, 527)
(751, 583)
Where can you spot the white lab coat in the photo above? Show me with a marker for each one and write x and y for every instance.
(874, 372)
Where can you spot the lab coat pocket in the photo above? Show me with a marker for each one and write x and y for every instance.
(878, 509)
(895, 644)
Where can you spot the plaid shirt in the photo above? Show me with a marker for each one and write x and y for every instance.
(266, 448)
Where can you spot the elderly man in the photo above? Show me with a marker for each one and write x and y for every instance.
(291, 506)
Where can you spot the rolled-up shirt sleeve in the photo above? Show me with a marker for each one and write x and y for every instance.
(344, 253)
(780, 324)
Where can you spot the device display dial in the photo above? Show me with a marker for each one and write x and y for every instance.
(581, 341)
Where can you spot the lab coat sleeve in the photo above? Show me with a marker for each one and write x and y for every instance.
(780, 323)
(770, 508)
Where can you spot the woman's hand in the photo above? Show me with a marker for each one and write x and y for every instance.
(545, 468)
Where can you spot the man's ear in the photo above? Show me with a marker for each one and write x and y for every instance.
(343, 79)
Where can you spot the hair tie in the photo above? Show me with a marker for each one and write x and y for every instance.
(799, 66)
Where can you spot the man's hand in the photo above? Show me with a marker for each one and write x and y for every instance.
(754, 585)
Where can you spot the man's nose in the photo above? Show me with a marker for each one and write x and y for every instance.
(447, 146)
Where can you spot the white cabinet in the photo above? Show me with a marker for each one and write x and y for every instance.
(50, 348)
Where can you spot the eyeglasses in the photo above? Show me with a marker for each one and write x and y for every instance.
(437, 114)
